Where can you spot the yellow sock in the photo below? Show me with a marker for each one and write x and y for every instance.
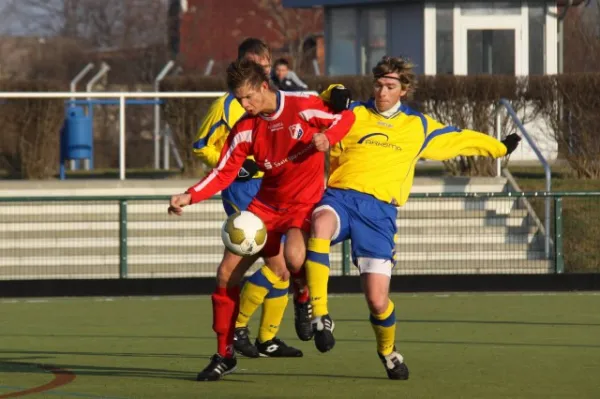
(253, 294)
(384, 326)
(273, 311)
(317, 274)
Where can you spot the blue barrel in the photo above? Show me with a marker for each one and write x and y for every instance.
(77, 137)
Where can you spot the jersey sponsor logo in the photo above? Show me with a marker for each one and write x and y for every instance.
(385, 124)
(276, 164)
(296, 131)
(373, 139)
(275, 126)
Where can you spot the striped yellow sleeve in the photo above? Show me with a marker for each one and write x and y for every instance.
(446, 142)
(210, 137)
(216, 125)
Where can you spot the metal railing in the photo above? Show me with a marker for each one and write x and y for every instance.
(511, 112)
(440, 233)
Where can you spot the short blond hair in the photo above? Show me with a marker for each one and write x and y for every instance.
(402, 66)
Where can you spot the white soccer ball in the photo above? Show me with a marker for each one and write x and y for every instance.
(244, 234)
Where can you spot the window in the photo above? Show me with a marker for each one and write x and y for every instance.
(343, 42)
(537, 27)
(444, 38)
(375, 45)
(491, 52)
(491, 8)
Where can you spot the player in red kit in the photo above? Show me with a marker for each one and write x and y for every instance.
(288, 134)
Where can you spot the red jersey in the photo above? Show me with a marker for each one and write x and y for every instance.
(281, 144)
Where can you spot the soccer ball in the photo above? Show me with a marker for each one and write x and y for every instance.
(244, 234)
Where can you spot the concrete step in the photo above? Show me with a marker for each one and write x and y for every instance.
(204, 233)
(202, 242)
(459, 214)
(164, 221)
(100, 247)
(214, 258)
(102, 187)
(170, 269)
(502, 205)
(217, 215)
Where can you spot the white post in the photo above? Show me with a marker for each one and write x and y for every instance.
(166, 155)
(160, 77)
(104, 68)
(498, 137)
(80, 76)
(209, 67)
(315, 65)
(122, 137)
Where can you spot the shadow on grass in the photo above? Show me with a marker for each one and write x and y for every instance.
(508, 322)
(35, 354)
(141, 372)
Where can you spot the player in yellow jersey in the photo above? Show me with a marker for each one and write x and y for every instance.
(372, 171)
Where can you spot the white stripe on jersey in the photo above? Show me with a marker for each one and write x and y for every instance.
(245, 136)
(317, 113)
(304, 94)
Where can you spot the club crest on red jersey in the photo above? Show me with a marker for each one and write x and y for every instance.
(296, 131)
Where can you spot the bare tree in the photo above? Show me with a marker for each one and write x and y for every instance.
(582, 39)
(293, 26)
(100, 24)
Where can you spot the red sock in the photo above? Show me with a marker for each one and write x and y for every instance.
(225, 307)
(301, 294)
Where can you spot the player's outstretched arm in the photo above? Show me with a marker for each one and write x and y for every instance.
(446, 142)
(178, 202)
(234, 153)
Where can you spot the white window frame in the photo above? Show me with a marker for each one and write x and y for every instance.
(495, 22)
(519, 23)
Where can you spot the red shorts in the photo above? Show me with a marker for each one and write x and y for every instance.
(279, 220)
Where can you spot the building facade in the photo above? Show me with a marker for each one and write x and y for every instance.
(517, 37)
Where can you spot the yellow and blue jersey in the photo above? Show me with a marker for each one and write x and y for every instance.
(222, 115)
(379, 154)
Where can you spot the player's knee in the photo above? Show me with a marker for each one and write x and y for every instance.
(377, 302)
(294, 257)
(232, 268)
(324, 224)
(225, 275)
(280, 271)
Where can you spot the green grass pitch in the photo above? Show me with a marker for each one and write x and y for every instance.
(456, 346)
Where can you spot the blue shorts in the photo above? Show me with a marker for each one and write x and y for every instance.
(239, 193)
(369, 223)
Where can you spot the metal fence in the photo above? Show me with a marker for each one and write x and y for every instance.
(446, 233)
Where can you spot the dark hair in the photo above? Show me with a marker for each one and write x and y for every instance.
(402, 66)
(254, 46)
(243, 72)
(281, 61)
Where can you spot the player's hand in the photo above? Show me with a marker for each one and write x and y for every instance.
(321, 142)
(248, 170)
(511, 142)
(340, 99)
(178, 202)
